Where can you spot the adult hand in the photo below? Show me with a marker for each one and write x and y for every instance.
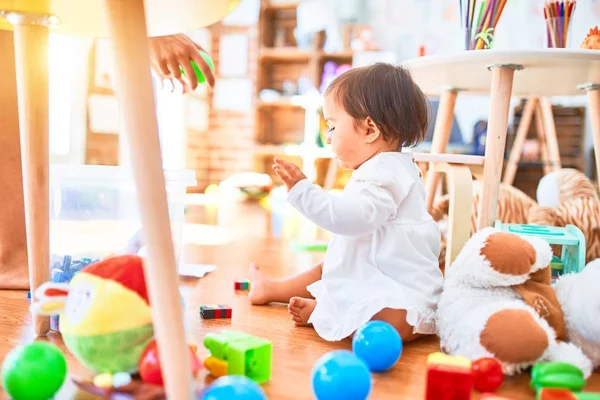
(289, 173)
(170, 53)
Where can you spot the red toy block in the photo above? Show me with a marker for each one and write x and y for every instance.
(448, 378)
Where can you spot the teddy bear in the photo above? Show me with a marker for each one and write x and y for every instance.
(498, 301)
(565, 196)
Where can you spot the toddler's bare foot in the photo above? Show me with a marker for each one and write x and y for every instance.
(300, 309)
(258, 294)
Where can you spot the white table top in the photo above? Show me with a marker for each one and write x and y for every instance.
(546, 72)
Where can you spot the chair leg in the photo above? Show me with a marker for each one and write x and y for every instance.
(134, 88)
(460, 188)
(441, 136)
(519, 142)
(550, 130)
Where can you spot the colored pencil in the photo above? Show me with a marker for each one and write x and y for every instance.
(558, 15)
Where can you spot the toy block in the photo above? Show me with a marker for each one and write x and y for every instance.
(237, 353)
(448, 377)
(215, 311)
(242, 285)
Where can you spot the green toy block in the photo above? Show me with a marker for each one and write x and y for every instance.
(570, 237)
(244, 354)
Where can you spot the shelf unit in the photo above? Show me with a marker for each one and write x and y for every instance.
(280, 123)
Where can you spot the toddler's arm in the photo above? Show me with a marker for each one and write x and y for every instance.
(355, 214)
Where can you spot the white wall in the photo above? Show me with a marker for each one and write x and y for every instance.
(402, 26)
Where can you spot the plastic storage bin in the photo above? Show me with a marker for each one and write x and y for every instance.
(94, 213)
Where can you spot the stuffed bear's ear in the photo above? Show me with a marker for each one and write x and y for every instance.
(492, 258)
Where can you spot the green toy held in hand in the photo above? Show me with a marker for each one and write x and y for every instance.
(34, 372)
(199, 74)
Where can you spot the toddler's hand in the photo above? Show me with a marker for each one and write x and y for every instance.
(288, 172)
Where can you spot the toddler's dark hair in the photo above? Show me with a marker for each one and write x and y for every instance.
(387, 94)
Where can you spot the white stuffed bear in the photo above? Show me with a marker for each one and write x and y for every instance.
(498, 302)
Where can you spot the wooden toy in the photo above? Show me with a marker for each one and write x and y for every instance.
(237, 353)
(570, 237)
(215, 311)
(448, 377)
(242, 285)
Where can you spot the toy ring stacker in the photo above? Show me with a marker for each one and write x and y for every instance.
(125, 23)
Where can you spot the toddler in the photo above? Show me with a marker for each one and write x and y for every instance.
(382, 263)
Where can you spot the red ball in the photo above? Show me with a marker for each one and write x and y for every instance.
(149, 365)
(487, 374)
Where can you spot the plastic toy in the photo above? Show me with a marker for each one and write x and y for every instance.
(492, 396)
(209, 61)
(340, 374)
(448, 377)
(570, 237)
(237, 353)
(215, 311)
(378, 344)
(62, 271)
(487, 374)
(149, 366)
(233, 387)
(565, 394)
(242, 285)
(105, 315)
(34, 372)
(557, 375)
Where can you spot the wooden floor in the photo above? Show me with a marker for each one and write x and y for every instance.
(243, 239)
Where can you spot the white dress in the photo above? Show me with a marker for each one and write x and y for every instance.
(384, 253)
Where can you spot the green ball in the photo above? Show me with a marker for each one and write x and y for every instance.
(199, 74)
(34, 372)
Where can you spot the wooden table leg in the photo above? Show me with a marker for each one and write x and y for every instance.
(441, 136)
(550, 130)
(31, 55)
(136, 100)
(594, 107)
(500, 93)
(519, 142)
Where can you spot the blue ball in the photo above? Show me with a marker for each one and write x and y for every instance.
(340, 374)
(378, 344)
(233, 387)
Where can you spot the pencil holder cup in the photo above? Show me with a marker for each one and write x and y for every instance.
(556, 33)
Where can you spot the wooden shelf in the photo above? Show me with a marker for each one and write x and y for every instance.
(284, 54)
(282, 6)
(292, 150)
(342, 55)
(279, 103)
